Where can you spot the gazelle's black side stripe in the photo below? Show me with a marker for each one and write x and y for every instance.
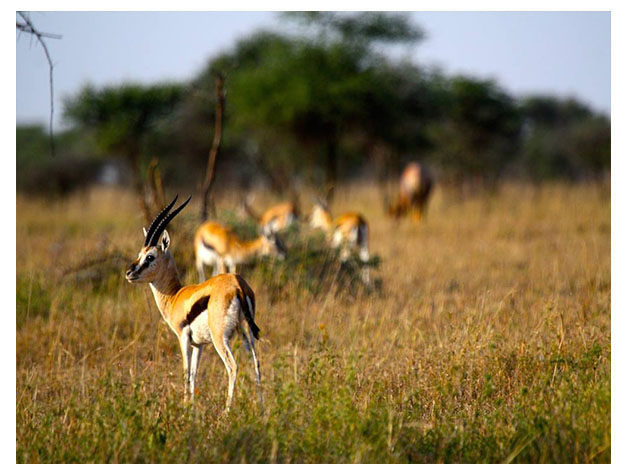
(199, 306)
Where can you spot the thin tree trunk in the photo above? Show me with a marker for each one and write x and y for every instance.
(138, 186)
(331, 166)
(155, 185)
(215, 148)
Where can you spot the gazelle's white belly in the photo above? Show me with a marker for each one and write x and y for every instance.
(207, 256)
(199, 328)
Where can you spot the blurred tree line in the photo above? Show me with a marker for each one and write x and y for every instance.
(329, 102)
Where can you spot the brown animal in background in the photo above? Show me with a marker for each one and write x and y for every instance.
(414, 191)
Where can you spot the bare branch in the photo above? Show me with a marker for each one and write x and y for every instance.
(215, 148)
(28, 27)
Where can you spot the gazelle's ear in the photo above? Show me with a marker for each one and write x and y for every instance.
(145, 232)
(165, 241)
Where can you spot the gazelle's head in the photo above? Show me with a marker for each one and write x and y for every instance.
(153, 258)
(272, 245)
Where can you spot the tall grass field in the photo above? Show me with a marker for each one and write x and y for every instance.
(483, 337)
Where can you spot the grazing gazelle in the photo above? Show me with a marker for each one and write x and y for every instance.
(414, 190)
(348, 231)
(276, 218)
(211, 312)
(218, 246)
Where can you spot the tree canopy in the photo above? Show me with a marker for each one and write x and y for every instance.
(123, 120)
(329, 97)
(122, 116)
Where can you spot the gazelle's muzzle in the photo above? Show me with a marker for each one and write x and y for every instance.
(131, 272)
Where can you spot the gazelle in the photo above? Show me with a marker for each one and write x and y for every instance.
(211, 312)
(414, 190)
(276, 218)
(218, 246)
(348, 231)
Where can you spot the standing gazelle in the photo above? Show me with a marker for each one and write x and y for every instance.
(348, 231)
(211, 312)
(218, 246)
(413, 192)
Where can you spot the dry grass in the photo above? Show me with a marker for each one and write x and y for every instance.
(485, 339)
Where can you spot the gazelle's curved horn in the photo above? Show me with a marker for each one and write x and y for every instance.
(320, 201)
(157, 220)
(295, 199)
(165, 221)
(247, 206)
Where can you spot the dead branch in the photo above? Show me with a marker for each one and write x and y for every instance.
(155, 185)
(215, 148)
(104, 259)
(28, 27)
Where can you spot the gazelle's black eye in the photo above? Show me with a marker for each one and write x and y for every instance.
(150, 258)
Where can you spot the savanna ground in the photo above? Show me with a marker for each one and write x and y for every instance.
(485, 338)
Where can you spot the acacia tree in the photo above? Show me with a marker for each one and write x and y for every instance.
(297, 101)
(123, 118)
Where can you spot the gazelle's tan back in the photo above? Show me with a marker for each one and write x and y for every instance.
(281, 212)
(216, 235)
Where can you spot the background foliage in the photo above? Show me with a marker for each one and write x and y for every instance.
(325, 99)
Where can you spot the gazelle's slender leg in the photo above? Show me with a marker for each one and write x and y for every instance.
(232, 374)
(249, 341)
(223, 349)
(344, 254)
(230, 265)
(201, 270)
(219, 266)
(365, 275)
(336, 239)
(186, 351)
(364, 256)
(196, 354)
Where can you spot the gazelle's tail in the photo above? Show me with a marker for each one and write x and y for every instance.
(249, 313)
(362, 235)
